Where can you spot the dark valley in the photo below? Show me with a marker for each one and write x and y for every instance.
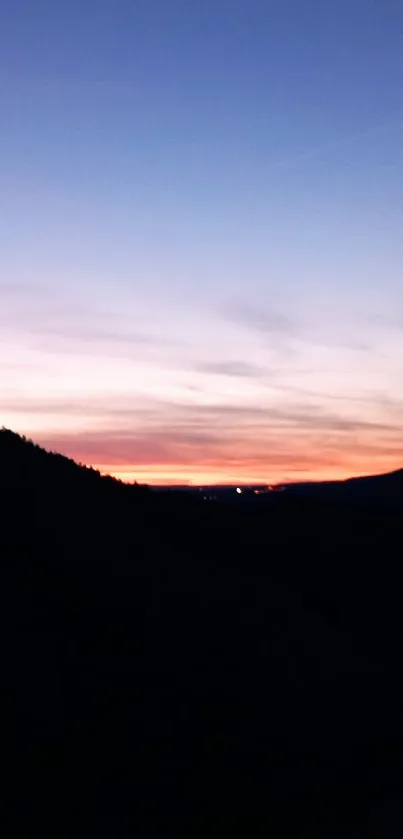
(176, 667)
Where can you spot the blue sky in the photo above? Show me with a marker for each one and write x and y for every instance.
(201, 234)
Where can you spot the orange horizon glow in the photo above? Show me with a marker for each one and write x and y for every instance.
(253, 453)
(203, 480)
(166, 419)
(221, 446)
(197, 286)
(265, 477)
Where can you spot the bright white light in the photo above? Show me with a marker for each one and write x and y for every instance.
(239, 491)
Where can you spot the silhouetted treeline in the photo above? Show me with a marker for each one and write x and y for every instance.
(174, 667)
(24, 464)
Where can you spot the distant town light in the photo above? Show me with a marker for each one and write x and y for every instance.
(239, 491)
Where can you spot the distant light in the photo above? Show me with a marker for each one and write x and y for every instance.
(239, 491)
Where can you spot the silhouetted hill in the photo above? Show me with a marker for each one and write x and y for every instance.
(24, 464)
(386, 487)
(56, 497)
(174, 667)
(383, 489)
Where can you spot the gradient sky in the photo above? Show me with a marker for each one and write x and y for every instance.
(201, 235)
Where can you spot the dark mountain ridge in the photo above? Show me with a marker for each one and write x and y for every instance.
(385, 488)
(23, 464)
(174, 667)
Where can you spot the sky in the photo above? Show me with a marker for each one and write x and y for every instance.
(201, 235)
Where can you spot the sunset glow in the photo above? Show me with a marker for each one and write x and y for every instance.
(201, 259)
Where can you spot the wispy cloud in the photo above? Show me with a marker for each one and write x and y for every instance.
(371, 412)
(90, 338)
(17, 289)
(275, 453)
(235, 369)
(282, 329)
(52, 324)
(262, 320)
(220, 440)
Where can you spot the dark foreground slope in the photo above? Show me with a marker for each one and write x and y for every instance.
(383, 490)
(179, 668)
